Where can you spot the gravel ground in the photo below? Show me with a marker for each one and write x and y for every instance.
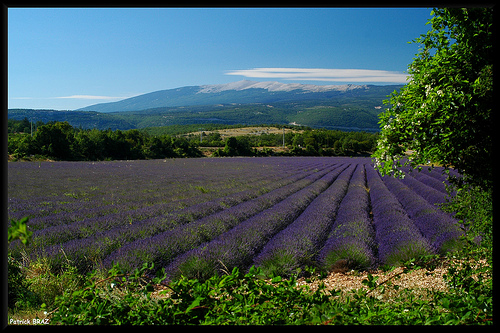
(418, 279)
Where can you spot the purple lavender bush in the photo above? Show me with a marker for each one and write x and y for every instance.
(296, 246)
(352, 238)
(397, 236)
(429, 193)
(204, 216)
(96, 227)
(442, 231)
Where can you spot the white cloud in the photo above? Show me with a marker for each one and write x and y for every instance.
(323, 74)
(73, 97)
(88, 97)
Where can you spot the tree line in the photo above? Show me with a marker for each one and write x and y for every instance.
(305, 143)
(61, 141)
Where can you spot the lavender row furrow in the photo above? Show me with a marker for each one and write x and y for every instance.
(440, 174)
(442, 231)
(430, 194)
(237, 247)
(397, 236)
(296, 245)
(163, 247)
(427, 176)
(351, 241)
(428, 180)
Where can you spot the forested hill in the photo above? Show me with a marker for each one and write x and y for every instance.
(353, 114)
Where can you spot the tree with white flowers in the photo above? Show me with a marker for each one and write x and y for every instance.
(443, 114)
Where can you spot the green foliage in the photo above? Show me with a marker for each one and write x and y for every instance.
(443, 115)
(238, 298)
(19, 293)
(470, 277)
(19, 230)
(235, 298)
(237, 146)
(316, 142)
(40, 284)
(60, 141)
(55, 140)
(470, 299)
(473, 208)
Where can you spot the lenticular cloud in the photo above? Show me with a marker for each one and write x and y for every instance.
(323, 74)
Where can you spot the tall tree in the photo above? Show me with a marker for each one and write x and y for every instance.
(55, 139)
(443, 114)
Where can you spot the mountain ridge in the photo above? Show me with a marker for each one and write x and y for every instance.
(239, 92)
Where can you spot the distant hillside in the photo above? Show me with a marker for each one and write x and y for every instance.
(83, 119)
(345, 107)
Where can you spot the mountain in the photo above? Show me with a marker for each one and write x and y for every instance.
(345, 107)
(241, 92)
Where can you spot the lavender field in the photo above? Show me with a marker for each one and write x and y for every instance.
(200, 217)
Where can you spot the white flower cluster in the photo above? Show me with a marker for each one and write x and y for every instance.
(428, 89)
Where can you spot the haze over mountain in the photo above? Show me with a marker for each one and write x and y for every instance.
(240, 92)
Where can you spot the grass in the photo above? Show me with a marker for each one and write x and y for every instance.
(278, 264)
(349, 256)
(406, 252)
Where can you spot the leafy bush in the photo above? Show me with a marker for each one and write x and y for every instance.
(19, 294)
(235, 298)
(238, 298)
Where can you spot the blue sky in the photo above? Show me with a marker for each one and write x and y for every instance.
(68, 58)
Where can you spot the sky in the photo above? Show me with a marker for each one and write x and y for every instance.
(69, 58)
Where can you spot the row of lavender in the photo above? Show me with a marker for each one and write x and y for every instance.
(202, 216)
